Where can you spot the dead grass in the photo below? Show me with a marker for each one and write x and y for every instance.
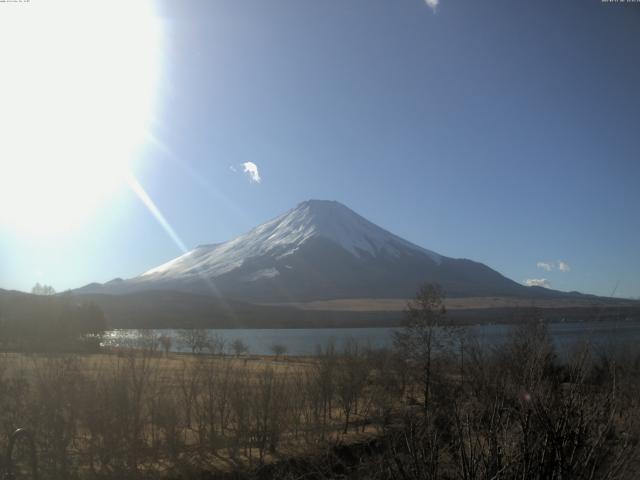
(466, 303)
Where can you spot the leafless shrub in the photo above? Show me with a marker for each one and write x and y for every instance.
(267, 412)
(239, 347)
(217, 344)
(196, 339)
(165, 342)
(278, 350)
(351, 378)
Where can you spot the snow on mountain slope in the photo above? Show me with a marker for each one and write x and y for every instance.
(320, 250)
(283, 236)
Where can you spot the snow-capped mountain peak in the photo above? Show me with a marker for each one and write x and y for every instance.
(317, 250)
(285, 234)
(338, 223)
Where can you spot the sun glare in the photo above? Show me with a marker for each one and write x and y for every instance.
(77, 94)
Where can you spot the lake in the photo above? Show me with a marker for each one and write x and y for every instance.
(301, 341)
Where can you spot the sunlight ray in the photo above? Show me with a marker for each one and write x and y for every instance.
(144, 197)
(148, 202)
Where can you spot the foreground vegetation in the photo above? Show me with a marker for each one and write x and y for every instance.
(436, 406)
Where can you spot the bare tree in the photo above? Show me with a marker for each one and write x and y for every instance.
(418, 339)
(165, 342)
(350, 381)
(240, 403)
(278, 350)
(323, 385)
(239, 347)
(147, 340)
(196, 339)
(267, 410)
(217, 344)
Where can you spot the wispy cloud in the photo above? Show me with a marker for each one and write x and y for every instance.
(251, 169)
(232, 168)
(560, 265)
(563, 266)
(432, 3)
(548, 266)
(537, 282)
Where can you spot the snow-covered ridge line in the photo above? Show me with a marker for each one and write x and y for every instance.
(284, 235)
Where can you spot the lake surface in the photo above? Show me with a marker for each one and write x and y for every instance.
(300, 341)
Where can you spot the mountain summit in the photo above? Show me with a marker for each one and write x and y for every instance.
(318, 250)
(287, 234)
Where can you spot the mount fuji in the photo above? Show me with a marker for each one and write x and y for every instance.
(320, 250)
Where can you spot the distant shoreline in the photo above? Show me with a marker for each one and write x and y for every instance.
(381, 319)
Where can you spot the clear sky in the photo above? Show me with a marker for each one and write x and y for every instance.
(505, 132)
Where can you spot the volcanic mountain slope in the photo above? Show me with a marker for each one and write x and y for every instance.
(318, 250)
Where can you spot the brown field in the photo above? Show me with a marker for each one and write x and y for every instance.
(399, 304)
(94, 364)
(128, 412)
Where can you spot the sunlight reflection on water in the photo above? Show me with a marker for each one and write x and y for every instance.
(303, 341)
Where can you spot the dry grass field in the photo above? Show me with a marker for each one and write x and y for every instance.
(463, 303)
(129, 413)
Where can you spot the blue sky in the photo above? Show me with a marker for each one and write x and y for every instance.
(501, 131)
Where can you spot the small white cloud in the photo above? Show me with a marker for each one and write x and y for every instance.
(548, 266)
(433, 4)
(563, 266)
(232, 168)
(537, 282)
(251, 169)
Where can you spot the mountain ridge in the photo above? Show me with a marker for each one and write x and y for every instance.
(318, 250)
(284, 234)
